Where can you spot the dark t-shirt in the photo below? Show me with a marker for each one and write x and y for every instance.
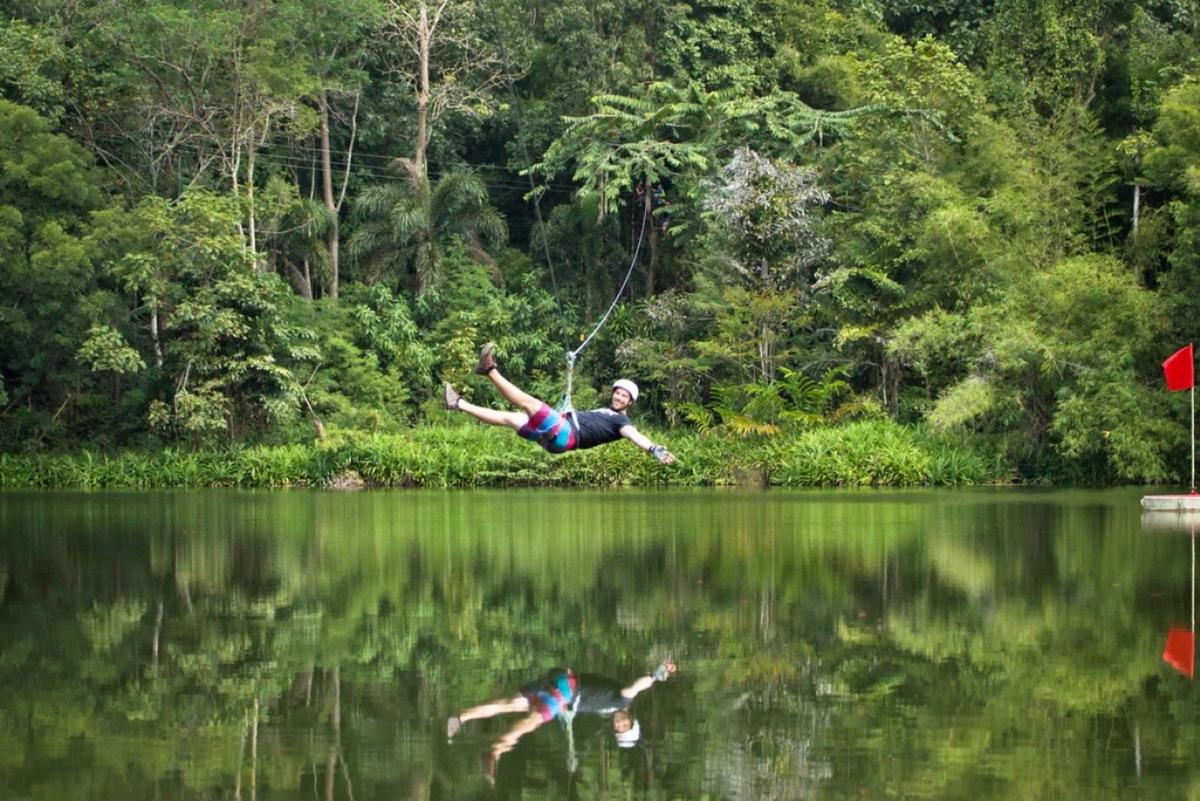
(600, 695)
(598, 426)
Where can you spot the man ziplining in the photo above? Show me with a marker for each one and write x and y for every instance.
(561, 694)
(558, 433)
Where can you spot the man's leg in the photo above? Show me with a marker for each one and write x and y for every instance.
(494, 417)
(501, 706)
(511, 392)
(514, 394)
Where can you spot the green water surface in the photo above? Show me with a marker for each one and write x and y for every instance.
(835, 645)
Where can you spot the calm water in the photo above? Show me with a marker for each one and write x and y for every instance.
(942, 645)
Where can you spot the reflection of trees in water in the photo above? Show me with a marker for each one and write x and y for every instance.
(771, 754)
(279, 650)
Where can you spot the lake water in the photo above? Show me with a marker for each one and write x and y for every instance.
(830, 645)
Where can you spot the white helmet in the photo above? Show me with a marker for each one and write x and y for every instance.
(628, 386)
(629, 738)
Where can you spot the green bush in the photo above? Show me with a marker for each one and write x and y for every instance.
(874, 453)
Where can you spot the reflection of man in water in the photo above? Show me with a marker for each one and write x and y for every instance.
(562, 693)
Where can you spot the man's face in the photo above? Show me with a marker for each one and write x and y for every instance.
(621, 400)
(622, 721)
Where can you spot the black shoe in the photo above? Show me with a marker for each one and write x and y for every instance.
(487, 359)
(451, 398)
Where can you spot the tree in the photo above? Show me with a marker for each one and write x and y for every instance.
(32, 60)
(766, 244)
(907, 236)
(218, 81)
(339, 43)
(298, 241)
(406, 225)
(1062, 358)
(678, 136)
(48, 188)
(1043, 53)
(106, 351)
(216, 328)
(630, 146)
(451, 67)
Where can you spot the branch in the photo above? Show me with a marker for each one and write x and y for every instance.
(349, 150)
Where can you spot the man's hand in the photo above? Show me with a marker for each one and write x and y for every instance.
(661, 453)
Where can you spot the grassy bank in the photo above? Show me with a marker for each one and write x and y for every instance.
(860, 454)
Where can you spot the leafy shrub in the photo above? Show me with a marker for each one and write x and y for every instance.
(874, 453)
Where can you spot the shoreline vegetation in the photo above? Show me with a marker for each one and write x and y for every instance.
(872, 453)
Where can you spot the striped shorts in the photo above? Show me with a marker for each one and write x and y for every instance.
(553, 693)
(549, 429)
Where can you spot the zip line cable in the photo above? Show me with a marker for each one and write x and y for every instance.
(564, 405)
(628, 274)
(374, 170)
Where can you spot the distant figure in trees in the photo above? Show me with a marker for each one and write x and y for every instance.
(562, 693)
(659, 206)
(558, 433)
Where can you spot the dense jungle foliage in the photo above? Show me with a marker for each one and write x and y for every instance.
(261, 224)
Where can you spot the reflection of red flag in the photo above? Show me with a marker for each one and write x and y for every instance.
(1178, 369)
(1180, 652)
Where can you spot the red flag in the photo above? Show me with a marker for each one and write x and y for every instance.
(1180, 651)
(1179, 369)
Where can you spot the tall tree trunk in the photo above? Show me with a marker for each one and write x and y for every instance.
(250, 201)
(254, 754)
(335, 747)
(158, 622)
(764, 353)
(236, 160)
(1137, 205)
(327, 191)
(889, 379)
(424, 34)
(302, 279)
(158, 352)
(312, 413)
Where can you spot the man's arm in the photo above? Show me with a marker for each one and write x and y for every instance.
(661, 673)
(642, 441)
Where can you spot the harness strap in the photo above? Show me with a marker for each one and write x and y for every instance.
(564, 406)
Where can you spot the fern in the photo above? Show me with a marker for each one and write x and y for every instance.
(702, 419)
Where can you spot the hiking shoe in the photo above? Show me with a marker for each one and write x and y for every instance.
(451, 398)
(487, 359)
